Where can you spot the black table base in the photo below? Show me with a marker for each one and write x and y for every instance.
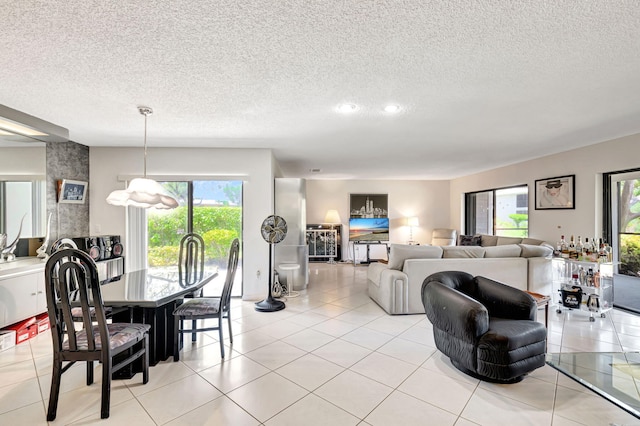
(161, 335)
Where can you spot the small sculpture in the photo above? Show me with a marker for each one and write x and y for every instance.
(42, 251)
(3, 243)
(7, 253)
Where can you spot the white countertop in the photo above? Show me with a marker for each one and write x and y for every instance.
(21, 264)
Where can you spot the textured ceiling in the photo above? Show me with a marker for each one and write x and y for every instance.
(482, 83)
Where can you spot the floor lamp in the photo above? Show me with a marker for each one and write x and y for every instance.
(333, 218)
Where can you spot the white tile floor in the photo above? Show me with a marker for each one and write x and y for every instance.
(332, 357)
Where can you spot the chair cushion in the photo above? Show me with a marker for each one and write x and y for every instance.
(76, 312)
(119, 334)
(198, 306)
(509, 341)
(511, 349)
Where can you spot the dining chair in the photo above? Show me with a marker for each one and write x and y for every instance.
(71, 279)
(191, 266)
(191, 259)
(202, 308)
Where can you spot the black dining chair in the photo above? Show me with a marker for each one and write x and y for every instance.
(191, 266)
(72, 281)
(200, 308)
(191, 259)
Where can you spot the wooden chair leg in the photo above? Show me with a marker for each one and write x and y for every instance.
(193, 327)
(230, 332)
(106, 388)
(55, 390)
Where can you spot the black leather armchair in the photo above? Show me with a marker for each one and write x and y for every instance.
(487, 329)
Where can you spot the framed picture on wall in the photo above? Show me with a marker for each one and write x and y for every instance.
(72, 191)
(369, 205)
(555, 193)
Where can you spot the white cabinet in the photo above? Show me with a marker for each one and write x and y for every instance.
(22, 295)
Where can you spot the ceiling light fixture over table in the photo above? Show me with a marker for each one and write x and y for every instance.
(143, 192)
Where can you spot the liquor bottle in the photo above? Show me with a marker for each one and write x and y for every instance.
(561, 246)
(579, 248)
(572, 249)
(564, 249)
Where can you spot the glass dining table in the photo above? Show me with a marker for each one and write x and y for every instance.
(150, 297)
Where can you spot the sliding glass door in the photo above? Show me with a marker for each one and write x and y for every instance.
(625, 189)
(210, 208)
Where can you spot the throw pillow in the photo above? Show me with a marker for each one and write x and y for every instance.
(469, 240)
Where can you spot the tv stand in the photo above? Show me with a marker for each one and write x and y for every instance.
(368, 244)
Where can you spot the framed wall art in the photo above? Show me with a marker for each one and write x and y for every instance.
(72, 191)
(555, 193)
(369, 205)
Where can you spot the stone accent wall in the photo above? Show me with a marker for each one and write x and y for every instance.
(67, 160)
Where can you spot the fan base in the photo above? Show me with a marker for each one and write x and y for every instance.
(269, 305)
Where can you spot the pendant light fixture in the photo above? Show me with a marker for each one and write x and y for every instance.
(143, 192)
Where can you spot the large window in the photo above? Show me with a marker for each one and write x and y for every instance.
(212, 209)
(503, 212)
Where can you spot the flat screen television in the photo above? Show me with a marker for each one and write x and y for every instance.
(369, 229)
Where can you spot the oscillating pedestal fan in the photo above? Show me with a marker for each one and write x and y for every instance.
(273, 229)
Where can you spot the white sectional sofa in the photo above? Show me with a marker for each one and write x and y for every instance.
(521, 263)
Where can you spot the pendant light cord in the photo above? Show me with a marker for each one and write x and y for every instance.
(146, 111)
(145, 145)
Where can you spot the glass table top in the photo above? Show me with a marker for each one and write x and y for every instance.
(613, 375)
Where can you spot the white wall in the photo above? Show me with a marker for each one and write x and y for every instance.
(28, 160)
(253, 166)
(587, 164)
(428, 200)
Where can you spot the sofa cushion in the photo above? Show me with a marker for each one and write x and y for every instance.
(462, 252)
(508, 240)
(488, 240)
(529, 250)
(531, 241)
(469, 240)
(507, 250)
(401, 252)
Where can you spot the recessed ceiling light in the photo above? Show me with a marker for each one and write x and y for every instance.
(347, 108)
(392, 109)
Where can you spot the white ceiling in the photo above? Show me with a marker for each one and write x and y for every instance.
(482, 83)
